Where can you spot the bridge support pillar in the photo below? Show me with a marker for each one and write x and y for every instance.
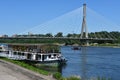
(84, 32)
(87, 43)
(84, 27)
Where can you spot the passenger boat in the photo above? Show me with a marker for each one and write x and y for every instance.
(76, 48)
(34, 53)
(3, 50)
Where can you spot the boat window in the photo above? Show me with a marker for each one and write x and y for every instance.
(39, 56)
(54, 55)
(49, 56)
(19, 53)
(15, 53)
(22, 54)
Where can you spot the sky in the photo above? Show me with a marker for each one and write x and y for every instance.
(17, 16)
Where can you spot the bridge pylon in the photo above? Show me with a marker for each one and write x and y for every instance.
(84, 32)
(84, 27)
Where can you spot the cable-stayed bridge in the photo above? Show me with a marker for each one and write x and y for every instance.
(71, 23)
(53, 26)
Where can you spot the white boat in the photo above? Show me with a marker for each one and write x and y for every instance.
(31, 54)
(4, 50)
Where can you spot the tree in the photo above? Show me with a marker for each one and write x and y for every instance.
(69, 35)
(49, 35)
(60, 34)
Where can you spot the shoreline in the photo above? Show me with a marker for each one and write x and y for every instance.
(28, 73)
(107, 46)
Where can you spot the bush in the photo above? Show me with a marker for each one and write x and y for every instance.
(57, 76)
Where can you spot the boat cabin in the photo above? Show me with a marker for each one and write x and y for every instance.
(41, 53)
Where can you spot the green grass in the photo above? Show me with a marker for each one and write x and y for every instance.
(51, 68)
(58, 76)
(27, 66)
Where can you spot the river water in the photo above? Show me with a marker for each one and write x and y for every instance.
(91, 62)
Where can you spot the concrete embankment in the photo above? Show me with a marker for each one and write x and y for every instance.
(10, 71)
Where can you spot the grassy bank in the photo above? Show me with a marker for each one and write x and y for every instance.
(27, 66)
(51, 67)
(57, 75)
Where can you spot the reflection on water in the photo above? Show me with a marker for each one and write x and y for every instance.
(61, 67)
(84, 62)
(92, 62)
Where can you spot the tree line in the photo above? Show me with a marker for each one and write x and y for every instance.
(102, 34)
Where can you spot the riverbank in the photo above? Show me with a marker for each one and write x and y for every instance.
(107, 45)
(28, 74)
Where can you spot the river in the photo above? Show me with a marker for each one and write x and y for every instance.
(91, 62)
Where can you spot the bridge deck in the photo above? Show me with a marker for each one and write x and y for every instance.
(70, 38)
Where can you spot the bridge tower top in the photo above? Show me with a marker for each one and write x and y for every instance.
(84, 27)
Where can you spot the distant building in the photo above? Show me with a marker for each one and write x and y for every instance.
(0, 35)
(29, 33)
(4, 36)
(15, 35)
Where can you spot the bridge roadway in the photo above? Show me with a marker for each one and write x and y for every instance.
(68, 38)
